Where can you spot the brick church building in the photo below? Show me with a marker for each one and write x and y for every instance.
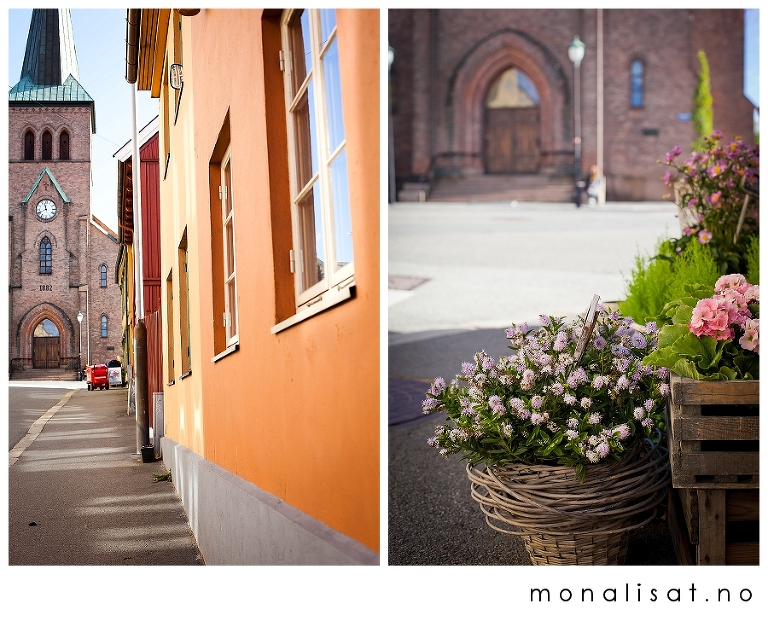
(61, 258)
(484, 107)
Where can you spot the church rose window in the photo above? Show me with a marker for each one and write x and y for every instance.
(46, 256)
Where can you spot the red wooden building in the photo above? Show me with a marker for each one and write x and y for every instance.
(150, 254)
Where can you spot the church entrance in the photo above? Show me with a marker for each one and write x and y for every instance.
(512, 125)
(46, 346)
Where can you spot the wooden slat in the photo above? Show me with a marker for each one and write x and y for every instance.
(677, 531)
(689, 392)
(711, 547)
(689, 504)
(742, 553)
(716, 427)
(742, 505)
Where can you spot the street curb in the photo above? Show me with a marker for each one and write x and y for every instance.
(36, 429)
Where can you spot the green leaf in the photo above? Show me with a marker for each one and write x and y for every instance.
(683, 313)
(669, 334)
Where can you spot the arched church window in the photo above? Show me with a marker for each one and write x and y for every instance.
(47, 146)
(29, 146)
(46, 329)
(46, 256)
(512, 90)
(103, 276)
(103, 326)
(64, 146)
(637, 84)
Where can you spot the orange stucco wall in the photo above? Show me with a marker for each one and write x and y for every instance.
(296, 413)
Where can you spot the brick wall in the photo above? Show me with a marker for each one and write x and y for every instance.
(445, 60)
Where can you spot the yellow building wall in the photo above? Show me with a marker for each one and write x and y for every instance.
(295, 413)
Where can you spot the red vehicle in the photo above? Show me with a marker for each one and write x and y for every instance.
(96, 376)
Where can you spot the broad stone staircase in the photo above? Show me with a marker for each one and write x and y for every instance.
(492, 188)
(44, 374)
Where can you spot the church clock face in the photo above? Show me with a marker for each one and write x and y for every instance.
(46, 210)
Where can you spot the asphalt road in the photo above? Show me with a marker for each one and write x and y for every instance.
(488, 265)
(26, 404)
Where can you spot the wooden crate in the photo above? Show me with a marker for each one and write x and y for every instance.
(713, 433)
(715, 527)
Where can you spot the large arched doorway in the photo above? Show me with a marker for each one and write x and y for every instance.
(46, 345)
(512, 125)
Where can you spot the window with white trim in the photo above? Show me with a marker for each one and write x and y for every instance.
(322, 258)
(228, 232)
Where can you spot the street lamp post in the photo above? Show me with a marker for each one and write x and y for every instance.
(80, 348)
(392, 182)
(576, 54)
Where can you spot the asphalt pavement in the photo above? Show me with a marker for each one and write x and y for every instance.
(461, 274)
(80, 495)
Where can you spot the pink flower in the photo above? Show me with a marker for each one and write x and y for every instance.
(710, 317)
(672, 154)
(752, 294)
(705, 236)
(714, 198)
(732, 281)
(751, 340)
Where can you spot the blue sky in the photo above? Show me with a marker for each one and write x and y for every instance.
(100, 45)
(752, 56)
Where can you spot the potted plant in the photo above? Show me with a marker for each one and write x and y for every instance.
(710, 341)
(564, 437)
(716, 190)
(713, 188)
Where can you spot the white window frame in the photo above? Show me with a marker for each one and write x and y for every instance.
(336, 284)
(230, 274)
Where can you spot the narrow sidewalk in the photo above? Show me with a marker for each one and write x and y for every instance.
(79, 494)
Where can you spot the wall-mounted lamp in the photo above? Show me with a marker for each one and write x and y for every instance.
(177, 76)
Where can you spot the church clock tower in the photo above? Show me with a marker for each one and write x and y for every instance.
(58, 254)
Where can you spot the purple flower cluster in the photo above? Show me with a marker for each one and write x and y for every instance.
(538, 404)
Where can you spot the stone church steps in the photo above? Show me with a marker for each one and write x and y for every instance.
(44, 374)
(501, 188)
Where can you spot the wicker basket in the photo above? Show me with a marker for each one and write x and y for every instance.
(566, 522)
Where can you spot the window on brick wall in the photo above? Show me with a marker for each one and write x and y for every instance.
(29, 146)
(637, 84)
(322, 258)
(46, 256)
(47, 146)
(64, 146)
(103, 326)
(103, 276)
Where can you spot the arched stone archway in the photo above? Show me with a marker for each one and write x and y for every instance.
(477, 71)
(34, 333)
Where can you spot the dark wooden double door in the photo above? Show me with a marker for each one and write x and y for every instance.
(45, 352)
(512, 141)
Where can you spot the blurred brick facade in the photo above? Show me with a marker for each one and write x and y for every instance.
(446, 60)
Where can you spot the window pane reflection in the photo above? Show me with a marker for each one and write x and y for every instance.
(333, 96)
(342, 224)
(306, 138)
(312, 249)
